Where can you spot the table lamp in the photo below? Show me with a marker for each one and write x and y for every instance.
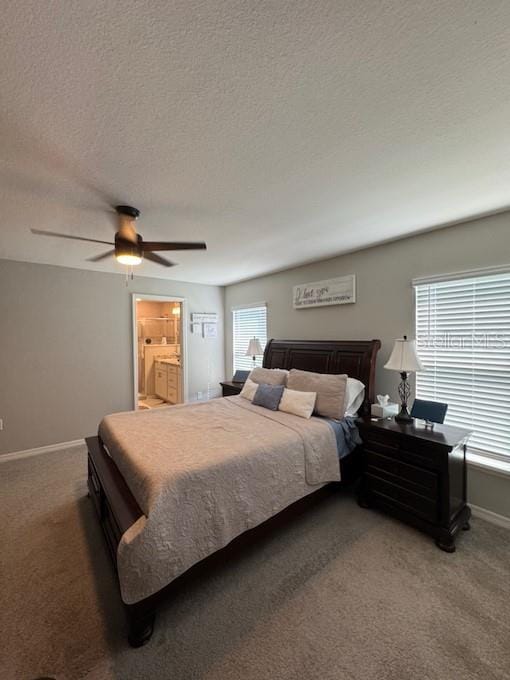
(254, 349)
(404, 360)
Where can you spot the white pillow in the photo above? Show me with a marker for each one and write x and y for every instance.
(249, 389)
(354, 395)
(298, 403)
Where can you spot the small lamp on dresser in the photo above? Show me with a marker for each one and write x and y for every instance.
(404, 360)
(254, 349)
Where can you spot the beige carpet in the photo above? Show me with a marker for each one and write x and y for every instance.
(340, 593)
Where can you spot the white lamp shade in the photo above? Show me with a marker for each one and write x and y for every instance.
(254, 348)
(403, 357)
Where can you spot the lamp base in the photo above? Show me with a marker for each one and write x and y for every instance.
(404, 418)
(403, 415)
(404, 392)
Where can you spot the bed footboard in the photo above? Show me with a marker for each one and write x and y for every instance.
(117, 510)
(114, 503)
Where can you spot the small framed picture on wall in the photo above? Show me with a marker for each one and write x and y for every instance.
(210, 330)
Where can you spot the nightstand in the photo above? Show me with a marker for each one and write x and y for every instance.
(230, 388)
(416, 474)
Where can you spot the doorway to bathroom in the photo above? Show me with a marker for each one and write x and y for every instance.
(159, 351)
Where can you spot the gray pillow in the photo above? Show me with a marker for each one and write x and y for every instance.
(268, 396)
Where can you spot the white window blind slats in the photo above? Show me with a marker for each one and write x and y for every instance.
(463, 340)
(498, 391)
(247, 323)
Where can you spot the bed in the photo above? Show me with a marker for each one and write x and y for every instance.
(233, 470)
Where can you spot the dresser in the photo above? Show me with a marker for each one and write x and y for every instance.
(416, 474)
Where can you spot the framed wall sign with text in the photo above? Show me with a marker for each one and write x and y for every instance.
(339, 291)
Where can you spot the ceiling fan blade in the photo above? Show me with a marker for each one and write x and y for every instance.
(158, 259)
(40, 232)
(103, 256)
(173, 245)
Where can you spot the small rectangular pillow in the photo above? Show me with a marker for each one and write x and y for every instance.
(268, 396)
(298, 403)
(269, 376)
(330, 391)
(249, 389)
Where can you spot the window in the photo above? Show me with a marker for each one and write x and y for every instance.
(248, 322)
(463, 340)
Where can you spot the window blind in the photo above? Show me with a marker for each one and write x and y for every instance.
(248, 322)
(463, 340)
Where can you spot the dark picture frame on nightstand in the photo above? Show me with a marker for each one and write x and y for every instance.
(241, 377)
(416, 474)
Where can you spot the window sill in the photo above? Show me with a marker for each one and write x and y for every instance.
(491, 465)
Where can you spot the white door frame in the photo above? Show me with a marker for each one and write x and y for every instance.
(184, 340)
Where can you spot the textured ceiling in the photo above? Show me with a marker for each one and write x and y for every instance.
(279, 132)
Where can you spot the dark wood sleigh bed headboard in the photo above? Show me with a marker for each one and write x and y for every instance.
(356, 358)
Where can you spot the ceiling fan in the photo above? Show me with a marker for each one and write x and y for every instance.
(129, 246)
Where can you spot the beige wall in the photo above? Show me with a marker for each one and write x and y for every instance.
(66, 349)
(385, 303)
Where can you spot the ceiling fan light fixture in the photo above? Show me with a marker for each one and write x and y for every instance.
(130, 260)
(128, 252)
(129, 247)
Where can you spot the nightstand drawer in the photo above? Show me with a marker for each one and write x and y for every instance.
(407, 500)
(381, 437)
(403, 449)
(382, 447)
(414, 478)
(427, 453)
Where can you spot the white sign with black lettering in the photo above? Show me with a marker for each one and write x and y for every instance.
(204, 317)
(339, 291)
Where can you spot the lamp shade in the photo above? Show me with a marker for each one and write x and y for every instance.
(403, 357)
(254, 348)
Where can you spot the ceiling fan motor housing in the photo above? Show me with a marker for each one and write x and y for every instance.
(127, 210)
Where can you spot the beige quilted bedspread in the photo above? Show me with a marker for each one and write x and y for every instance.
(205, 473)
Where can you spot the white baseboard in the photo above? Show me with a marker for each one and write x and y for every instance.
(40, 449)
(489, 516)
